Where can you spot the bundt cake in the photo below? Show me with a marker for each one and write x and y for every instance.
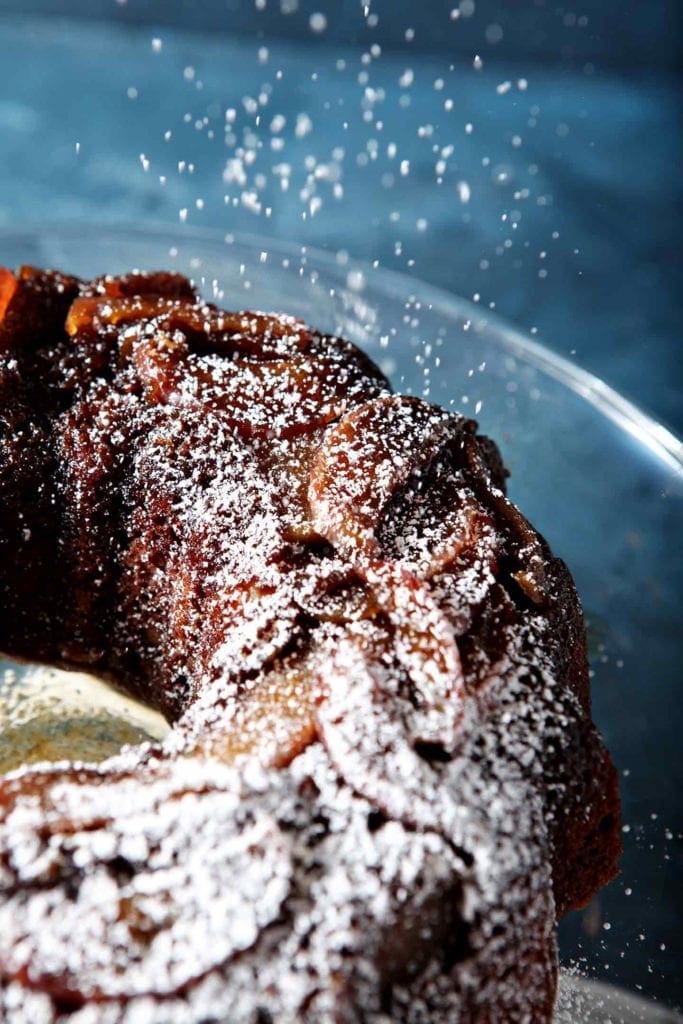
(382, 784)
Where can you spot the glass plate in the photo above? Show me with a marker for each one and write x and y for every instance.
(599, 478)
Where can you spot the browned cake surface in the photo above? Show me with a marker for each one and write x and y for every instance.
(382, 784)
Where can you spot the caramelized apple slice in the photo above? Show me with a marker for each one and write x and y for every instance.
(364, 459)
(272, 721)
(286, 398)
(272, 399)
(527, 544)
(207, 329)
(8, 286)
(153, 282)
(366, 725)
(426, 648)
(160, 360)
(33, 305)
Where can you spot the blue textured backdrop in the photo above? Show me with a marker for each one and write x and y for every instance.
(574, 182)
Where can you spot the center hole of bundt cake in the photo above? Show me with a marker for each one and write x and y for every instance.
(50, 714)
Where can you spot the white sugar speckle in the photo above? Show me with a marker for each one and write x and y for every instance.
(303, 126)
(317, 22)
(494, 33)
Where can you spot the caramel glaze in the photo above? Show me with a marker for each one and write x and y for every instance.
(232, 516)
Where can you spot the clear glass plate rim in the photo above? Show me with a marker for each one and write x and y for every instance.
(645, 429)
(613, 1005)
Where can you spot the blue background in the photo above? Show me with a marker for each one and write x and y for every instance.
(572, 226)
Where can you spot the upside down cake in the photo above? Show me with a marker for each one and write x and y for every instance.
(382, 784)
